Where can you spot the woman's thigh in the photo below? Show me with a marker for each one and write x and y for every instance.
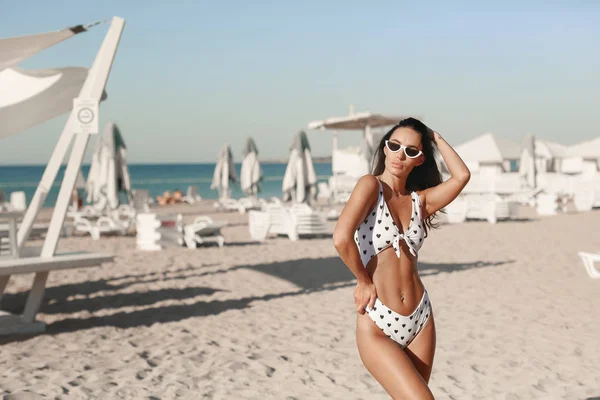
(422, 349)
(388, 363)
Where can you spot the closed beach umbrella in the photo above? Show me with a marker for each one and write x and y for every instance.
(300, 179)
(224, 172)
(251, 173)
(108, 172)
(527, 163)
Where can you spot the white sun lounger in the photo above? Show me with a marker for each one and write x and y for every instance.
(104, 224)
(192, 195)
(307, 221)
(298, 221)
(202, 230)
(242, 205)
(456, 212)
(589, 259)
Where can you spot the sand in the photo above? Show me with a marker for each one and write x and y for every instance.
(517, 318)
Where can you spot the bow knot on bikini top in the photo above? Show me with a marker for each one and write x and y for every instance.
(379, 231)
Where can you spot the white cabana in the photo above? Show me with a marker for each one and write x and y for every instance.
(300, 180)
(489, 153)
(583, 158)
(108, 174)
(251, 173)
(548, 155)
(224, 173)
(30, 97)
(355, 162)
(349, 164)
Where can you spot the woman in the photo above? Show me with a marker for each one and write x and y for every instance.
(378, 235)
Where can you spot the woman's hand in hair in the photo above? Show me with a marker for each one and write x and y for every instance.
(433, 135)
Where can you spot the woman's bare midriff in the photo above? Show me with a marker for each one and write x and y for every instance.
(397, 280)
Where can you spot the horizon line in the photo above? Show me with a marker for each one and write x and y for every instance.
(320, 160)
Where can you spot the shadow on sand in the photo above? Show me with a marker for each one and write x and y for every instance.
(309, 275)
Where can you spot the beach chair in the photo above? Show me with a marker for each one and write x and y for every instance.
(456, 212)
(241, 205)
(583, 199)
(341, 187)
(307, 221)
(323, 192)
(589, 259)
(192, 195)
(333, 214)
(490, 207)
(250, 203)
(201, 231)
(228, 204)
(547, 204)
(110, 224)
(280, 220)
(298, 221)
(258, 224)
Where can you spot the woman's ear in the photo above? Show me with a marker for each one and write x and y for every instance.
(421, 160)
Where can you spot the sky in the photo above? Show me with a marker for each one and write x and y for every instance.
(190, 76)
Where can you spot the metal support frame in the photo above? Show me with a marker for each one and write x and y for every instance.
(92, 89)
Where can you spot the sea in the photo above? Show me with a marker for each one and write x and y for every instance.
(156, 178)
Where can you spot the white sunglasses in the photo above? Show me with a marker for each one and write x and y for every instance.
(411, 152)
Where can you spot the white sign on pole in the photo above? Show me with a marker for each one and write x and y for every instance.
(86, 114)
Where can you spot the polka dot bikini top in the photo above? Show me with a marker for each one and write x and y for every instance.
(379, 231)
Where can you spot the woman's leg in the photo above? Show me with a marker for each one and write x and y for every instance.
(422, 349)
(388, 363)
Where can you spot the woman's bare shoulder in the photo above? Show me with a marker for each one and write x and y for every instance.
(368, 181)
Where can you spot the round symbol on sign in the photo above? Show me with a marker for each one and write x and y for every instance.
(85, 115)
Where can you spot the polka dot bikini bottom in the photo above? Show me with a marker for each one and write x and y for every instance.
(400, 328)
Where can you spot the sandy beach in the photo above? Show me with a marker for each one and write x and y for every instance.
(517, 318)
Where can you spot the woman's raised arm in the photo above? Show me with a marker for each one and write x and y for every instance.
(438, 197)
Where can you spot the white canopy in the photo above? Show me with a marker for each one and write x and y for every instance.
(13, 50)
(583, 158)
(488, 148)
(548, 150)
(589, 149)
(300, 179)
(31, 97)
(548, 157)
(488, 153)
(224, 172)
(251, 173)
(357, 121)
(108, 172)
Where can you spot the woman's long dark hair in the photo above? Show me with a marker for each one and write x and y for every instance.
(421, 177)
